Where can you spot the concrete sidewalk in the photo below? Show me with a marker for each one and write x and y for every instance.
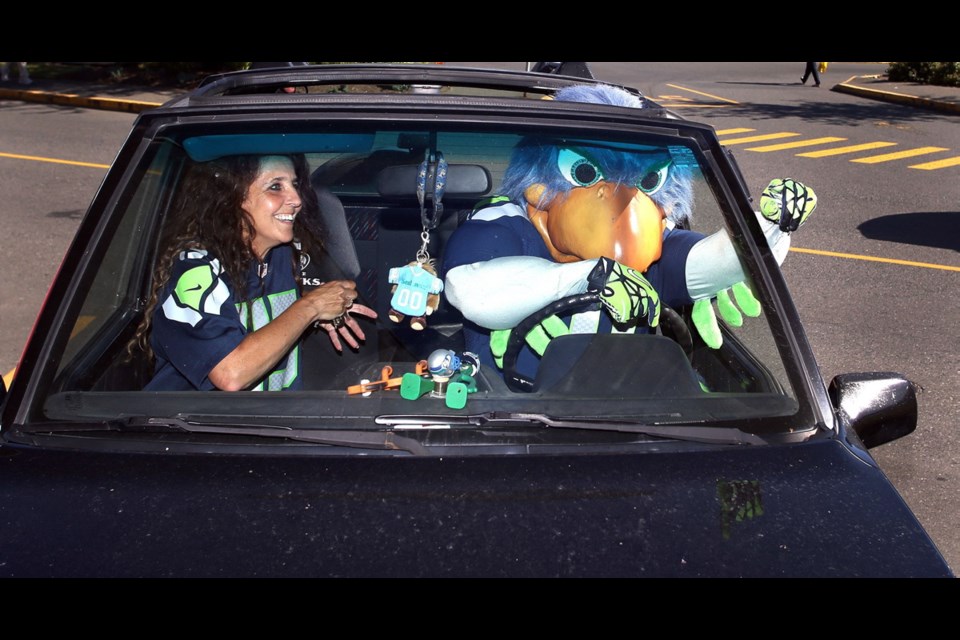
(926, 96)
(135, 99)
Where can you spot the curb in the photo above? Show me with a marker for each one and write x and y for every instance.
(898, 98)
(69, 99)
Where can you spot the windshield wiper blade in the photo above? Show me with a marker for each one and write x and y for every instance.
(724, 435)
(382, 440)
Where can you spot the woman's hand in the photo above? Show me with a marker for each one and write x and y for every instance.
(333, 304)
(346, 326)
(331, 299)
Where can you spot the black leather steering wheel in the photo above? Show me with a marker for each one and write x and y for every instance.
(671, 325)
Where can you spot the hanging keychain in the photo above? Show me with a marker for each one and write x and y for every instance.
(416, 290)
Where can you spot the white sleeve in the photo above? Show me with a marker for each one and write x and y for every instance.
(499, 293)
(713, 266)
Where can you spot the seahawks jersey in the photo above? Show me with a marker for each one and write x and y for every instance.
(199, 320)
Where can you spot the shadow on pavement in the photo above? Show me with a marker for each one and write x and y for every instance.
(939, 229)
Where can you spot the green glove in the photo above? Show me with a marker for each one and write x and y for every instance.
(538, 338)
(705, 320)
(626, 294)
(788, 203)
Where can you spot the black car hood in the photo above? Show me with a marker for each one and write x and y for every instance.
(801, 510)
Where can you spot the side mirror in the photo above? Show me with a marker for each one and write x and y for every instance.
(878, 407)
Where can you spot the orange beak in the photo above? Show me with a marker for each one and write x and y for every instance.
(605, 219)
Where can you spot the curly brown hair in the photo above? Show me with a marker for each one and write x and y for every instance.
(207, 213)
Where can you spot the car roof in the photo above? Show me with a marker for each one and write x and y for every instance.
(390, 84)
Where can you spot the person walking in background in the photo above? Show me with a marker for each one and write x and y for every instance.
(811, 69)
(24, 74)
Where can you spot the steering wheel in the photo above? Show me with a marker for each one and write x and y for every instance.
(671, 325)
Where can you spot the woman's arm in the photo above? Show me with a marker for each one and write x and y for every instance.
(259, 351)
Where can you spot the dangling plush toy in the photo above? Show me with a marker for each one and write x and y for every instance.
(416, 292)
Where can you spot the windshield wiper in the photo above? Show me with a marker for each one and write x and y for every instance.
(388, 440)
(724, 435)
(381, 440)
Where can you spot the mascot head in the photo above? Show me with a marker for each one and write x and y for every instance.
(589, 200)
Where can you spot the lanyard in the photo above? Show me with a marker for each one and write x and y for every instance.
(433, 167)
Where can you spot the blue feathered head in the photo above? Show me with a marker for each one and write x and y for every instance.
(561, 165)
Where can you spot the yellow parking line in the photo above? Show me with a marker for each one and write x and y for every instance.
(938, 164)
(854, 256)
(766, 136)
(693, 106)
(39, 159)
(726, 132)
(851, 149)
(794, 145)
(701, 93)
(909, 153)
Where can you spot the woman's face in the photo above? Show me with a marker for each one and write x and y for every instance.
(273, 203)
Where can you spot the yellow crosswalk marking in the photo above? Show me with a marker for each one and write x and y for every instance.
(851, 149)
(835, 151)
(909, 153)
(761, 138)
(938, 164)
(795, 145)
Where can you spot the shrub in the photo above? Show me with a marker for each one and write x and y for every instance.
(939, 73)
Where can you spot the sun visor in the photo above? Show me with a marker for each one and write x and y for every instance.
(204, 148)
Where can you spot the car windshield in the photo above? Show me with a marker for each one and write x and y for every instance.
(395, 201)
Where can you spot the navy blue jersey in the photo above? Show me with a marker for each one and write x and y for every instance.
(199, 320)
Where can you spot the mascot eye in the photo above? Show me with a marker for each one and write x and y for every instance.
(654, 180)
(578, 170)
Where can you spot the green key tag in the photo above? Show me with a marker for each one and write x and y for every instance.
(456, 397)
(414, 387)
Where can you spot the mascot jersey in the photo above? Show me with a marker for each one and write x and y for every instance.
(198, 320)
(414, 284)
(500, 231)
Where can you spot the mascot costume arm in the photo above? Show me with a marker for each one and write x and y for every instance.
(499, 293)
(713, 268)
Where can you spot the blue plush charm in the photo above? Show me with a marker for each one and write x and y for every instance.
(415, 292)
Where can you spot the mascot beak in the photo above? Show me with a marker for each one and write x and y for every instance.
(604, 220)
(638, 233)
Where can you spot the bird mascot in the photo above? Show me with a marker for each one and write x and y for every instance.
(577, 217)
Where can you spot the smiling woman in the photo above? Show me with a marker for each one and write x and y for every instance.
(227, 311)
